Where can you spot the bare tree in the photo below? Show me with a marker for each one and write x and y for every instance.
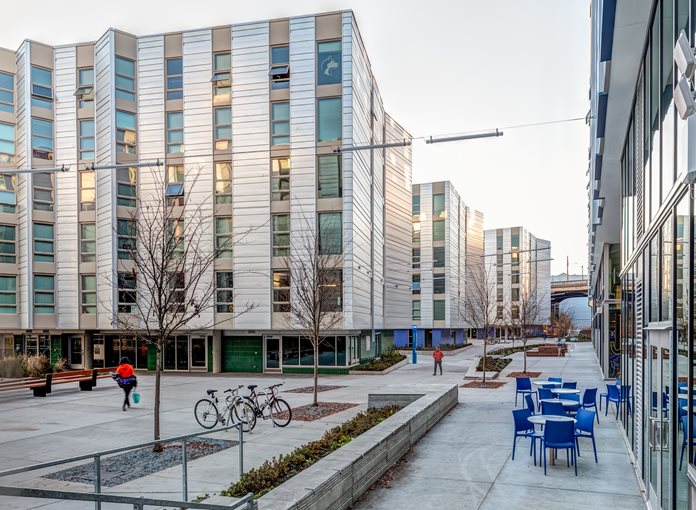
(562, 323)
(316, 276)
(480, 307)
(525, 313)
(170, 248)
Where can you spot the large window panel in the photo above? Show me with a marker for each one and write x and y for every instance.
(125, 79)
(126, 134)
(329, 177)
(6, 92)
(7, 143)
(329, 119)
(328, 62)
(331, 233)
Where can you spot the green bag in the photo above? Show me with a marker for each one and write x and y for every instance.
(136, 398)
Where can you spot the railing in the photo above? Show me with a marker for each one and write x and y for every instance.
(137, 502)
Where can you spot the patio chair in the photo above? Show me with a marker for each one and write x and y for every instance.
(605, 395)
(584, 427)
(553, 409)
(572, 409)
(665, 403)
(681, 402)
(560, 435)
(618, 396)
(543, 393)
(684, 423)
(530, 403)
(524, 428)
(570, 385)
(523, 386)
(555, 379)
(589, 400)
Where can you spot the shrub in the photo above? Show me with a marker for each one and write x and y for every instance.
(11, 367)
(493, 364)
(387, 360)
(36, 366)
(274, 472)
(61, 365)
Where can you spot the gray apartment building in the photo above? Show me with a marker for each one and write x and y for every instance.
(257, 110)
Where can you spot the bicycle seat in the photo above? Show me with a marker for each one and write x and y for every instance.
(252, 386)
(211, 392)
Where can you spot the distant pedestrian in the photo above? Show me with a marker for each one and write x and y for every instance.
(125, 377)
(437, 356)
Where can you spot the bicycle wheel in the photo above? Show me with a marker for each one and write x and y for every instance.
(281, 412)
(244, 413)
(206, 413)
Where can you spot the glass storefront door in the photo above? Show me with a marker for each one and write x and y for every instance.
(199, 358)
(185, 353)
(272, 353)
(76, 346)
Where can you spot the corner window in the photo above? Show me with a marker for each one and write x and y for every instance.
(280, 67)
(331, 281)
(127, 292)
(223, 183)
(330, 233)
(416, 310)
(223, 128)
(6, 92)
(41, 138)
(280, 123)
(224, 294)
(7, 143)
(438, 310)
(87, 140)
(223, 237)
(281, 235)
(439, 257)
(8, 239)
(88, 191)
(439, 207)
(329, 119)
(126, 231)
(8, 294)
(280, 179)
(41, 87)
(175, 132)
(328, 62)
(281, 291)
(439, 230)
(499, 241)
(222, 78)
(415, 204)
(126, 134)
(126, 186)
(88, 242)
(88, 294)
(8, 197)
(438, 283)
(85, 88)
(416, 232)
(175, 80)
(43, 191)
(44, 293)
(329, 185)
(125, 79)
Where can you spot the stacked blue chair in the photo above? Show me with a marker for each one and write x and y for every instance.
(584, 427)
(560, 435)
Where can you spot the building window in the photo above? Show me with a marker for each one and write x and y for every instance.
(223, 128)
(415, 204)
(85, 88)
(515, 277)
(174, 190)
(416, 283)
(127, 235)
(438, 310)
(515, 312)
(6, 92)
(281, 235)
(329, 177)
(88, 242)
(329, 119)
(41, 87)
(8, 198)
(8, 294)
(281, 291)
(415, 258)
(515, 294)
(175, 230)
(439, 207)
(280, 183)
(88, 294)
(416, 232)
(175, 80)
(126, 137)
(43, 242)
(223, 237)
(88, 191)
(43, 191)
(175, 132)
(439, 257)
(44, 293)
(438, 283)
(222, 77)
(126, 186)
(41, 138)
(499, 295)
(332, 283)
(280, 67)
(280, 123)
(499, 259)
(331, 233)
(7, 143)
(125, 79)
(127, 293)
(177, 290)
(87, 140)
(328, 62)
(224, 296)
(439, 230)
(416, 310)
(499, 277)
(499, 241)
(8, 238)
(499, 312)
(223, 183)
(514, 241)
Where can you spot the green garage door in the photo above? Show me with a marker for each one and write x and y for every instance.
(242, 354)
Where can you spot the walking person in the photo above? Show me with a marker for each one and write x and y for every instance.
(125, 377)
(437, 356)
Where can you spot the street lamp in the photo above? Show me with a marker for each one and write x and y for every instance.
(409, 141)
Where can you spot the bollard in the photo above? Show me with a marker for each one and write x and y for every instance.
(97, 480)
(241, 450)
(184, 469)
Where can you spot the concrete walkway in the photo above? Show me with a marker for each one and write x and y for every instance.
(465, 461)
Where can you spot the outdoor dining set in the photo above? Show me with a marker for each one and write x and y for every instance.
(564, 417)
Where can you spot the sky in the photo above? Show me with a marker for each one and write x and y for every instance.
(442, 67)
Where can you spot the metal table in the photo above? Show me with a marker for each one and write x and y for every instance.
(565, 391)
(547, 383)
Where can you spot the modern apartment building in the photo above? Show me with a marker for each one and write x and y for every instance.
(447, 240)
(518, 267)
(256, 111)
(641, 235)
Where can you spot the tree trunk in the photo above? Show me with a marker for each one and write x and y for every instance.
(485, 350)
(316, 372)
(524, 350)
(158, 374)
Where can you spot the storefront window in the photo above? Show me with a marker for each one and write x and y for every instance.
(682, 252)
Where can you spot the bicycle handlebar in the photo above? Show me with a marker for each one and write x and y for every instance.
(273, 386)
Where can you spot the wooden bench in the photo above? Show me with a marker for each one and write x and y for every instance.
(86, 379)
(552, 351)
(23, 383)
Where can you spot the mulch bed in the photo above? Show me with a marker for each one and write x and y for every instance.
(480, 384)
(135, 464)
(523, 374)
(321, 410)
(310, 389)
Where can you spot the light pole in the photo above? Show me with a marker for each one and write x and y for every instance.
(414, 358)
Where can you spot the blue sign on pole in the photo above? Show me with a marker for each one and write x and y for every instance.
(413, 344)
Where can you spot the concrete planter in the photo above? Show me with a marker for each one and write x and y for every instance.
(381, 372)
(472, 373)
(337, 480)
(453, 352)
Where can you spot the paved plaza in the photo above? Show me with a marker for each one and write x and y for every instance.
(464, 462)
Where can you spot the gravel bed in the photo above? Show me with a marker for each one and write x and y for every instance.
(310, 389)
(311, 413)
(135, 464)
(524, 374)
(480, 384)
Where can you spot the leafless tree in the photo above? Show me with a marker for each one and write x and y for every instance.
(315, 266)
(562, 323)
(525, 313)
(166, 280)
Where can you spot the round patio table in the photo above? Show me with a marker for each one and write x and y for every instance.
(547, 383)
(565, 391)
(541, 419)
(564, 402)
(686, 408)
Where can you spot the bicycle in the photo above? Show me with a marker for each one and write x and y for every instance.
(272, 406)
(207, 414)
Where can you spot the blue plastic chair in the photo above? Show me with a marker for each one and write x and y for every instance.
(681, 402)
(615, 397)
(524, 428)
(605, 395)
(570, 385)
(574, 408)
(584, 427)
(589, 400)
(544, 393)
(523, 386)
(530, 403)
(560, 435)
(555, 379)
(684, 423)
(552, 409)
(664, 403)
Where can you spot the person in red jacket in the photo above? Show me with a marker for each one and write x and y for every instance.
(437, 356)
(125, 377)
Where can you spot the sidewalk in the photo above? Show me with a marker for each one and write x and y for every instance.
(465, 461)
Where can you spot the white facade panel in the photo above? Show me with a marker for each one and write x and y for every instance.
(23, 158)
